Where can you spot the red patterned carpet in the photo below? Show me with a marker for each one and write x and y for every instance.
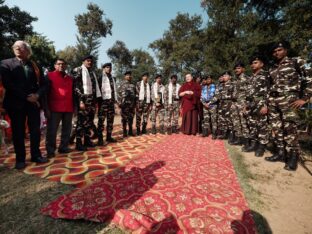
(183, 184)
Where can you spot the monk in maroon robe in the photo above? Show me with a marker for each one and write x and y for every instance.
(190, 93)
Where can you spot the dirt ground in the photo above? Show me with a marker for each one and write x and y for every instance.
(286, 196)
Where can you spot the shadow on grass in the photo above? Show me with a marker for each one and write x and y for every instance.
(22, 196)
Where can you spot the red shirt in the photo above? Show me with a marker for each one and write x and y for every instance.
(60, 97)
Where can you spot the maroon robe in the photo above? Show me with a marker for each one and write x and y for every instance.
(190, 108)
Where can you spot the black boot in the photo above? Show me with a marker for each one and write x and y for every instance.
(278, 156)
(246, 144)
(260, 150)
(144, 129)
(80, 146)
(174, 129)
(238, 141)
(162, 130)
(231, 137)
(169, 130)
(100, 139)
(213, 135)
(252, 146)
(292, 162)
(88, 142)
(138, 131)
(205, 132)
(130, 131)
(222, 135)
(110, 139)
(124, 133)
(153, 129)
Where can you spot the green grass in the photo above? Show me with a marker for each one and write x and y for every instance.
(22, 196)
(252, 195)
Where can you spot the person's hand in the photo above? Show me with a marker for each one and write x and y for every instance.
(297, 104)
(33, 97)
(82, 106)
(158, 104)
(264, 110)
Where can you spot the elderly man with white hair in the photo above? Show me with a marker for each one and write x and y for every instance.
(24, 84)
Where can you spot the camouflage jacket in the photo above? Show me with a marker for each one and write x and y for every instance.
(241, 88)
(291, 76)
(126, 93)
(225, 92)
(258, 90)
(174, 96)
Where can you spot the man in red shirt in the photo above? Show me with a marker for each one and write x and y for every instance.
(61, 107)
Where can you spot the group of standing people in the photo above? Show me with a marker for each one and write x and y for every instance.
(247, 111)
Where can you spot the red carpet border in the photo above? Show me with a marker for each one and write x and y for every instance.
(184, 184)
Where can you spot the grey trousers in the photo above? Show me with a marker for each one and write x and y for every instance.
(52, 127)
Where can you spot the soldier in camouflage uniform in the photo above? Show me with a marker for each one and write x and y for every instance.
(209, 111)
(127, 101)
(86, 90)
(256, 104)
(241, 131)
(144, 102)
(158, 105)
(286, 94)
(106, 104)
(172, 104)
(224, 97)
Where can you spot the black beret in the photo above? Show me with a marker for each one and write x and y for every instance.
(158, 76)
(87, 57)
(283, 44)
(128, 73)
(256, 57)
(107, 65)
(239, 64)
(174, 76)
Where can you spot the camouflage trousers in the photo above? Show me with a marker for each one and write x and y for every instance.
(224, 116)
(127, 114)
(283, 120)
(258, 126)
(158, 111)
(85, 117)
(142, 109)
(106, 111)
(210, 119)
(172, 114)
(240, 126)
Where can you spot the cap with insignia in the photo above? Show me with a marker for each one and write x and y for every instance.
(239, 64)
(107, 65)
(87, 57)
(282, 44)
(128, 73)
(256, 57)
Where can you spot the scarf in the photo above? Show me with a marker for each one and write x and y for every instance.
(155, 88)
(106, 88)
(170, 87)
(87, 83)
(142, 91)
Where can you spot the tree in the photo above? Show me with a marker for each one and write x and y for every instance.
(14, 25)
(69, 54)
(91, 27)
(180, 48)
(43, 50)
(121, 58)
(142, 62)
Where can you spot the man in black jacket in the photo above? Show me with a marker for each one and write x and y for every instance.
(24, 85)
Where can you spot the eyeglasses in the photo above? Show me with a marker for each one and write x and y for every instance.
(61, 64)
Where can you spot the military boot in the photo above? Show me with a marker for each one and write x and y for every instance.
(110, 139)
(205, 132)
(231, 137)
(292, 162)
(138, 131)
(278, 156)
(169, 130)
(238, 141)
(213, 135)
(130, 131)
(222, 135)
(80, 146)
(88, 142)
(252, 146)
(246, 144)
(144, 129)
(153, 129)
(100, 139)
(162, 130)
(174, 129)
(260, 150)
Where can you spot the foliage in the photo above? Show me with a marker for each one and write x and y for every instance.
(91, 27)
(69, 54)
(43, 50)
(14, 25)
